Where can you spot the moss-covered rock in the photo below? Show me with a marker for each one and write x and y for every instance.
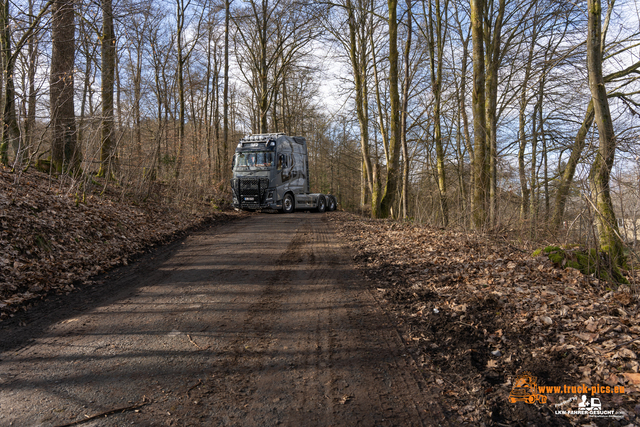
(557, 257)
(587, 261)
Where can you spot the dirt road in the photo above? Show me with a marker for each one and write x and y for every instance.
(260, 322)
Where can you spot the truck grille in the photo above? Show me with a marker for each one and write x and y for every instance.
(250, 191)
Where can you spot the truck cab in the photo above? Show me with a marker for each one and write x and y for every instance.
(271, 171)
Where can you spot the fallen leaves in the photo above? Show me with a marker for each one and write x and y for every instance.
(51, 243)
(484, 311)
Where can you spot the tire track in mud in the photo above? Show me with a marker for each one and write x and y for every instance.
(253, 349)
(276, 286)
(397, 386)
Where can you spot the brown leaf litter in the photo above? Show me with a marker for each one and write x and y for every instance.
(52, 241)
(476, 312)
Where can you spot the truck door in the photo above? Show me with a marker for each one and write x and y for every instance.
(284, 167)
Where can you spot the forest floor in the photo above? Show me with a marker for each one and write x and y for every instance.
(475, 312)
(339, 319)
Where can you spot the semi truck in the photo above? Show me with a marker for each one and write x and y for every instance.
(271, 171)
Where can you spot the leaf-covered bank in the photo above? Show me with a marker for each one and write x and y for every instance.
(53, 239)
(476, 312)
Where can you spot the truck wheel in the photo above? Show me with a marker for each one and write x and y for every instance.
(331, 205)
(322, 204)
(288, 203)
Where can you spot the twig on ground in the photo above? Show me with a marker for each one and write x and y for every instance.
(194, 386)
(194, 343)
(145, 401)
(626, 343)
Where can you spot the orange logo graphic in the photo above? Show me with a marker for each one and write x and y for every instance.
(525, 389)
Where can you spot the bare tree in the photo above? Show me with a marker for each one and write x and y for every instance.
(360, 28)
(10, 128)
(184, 51)
(270, 38)
(437, 29)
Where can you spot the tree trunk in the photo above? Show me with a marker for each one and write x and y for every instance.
(137, 97)
(263, 71)
(533, 199)
(208, 92)
(391, 187)
(10, 129)
(436, 48)
(405, 107)
(65, 153)
(30, 121)
(108, 52)
(522, 136)
(599, 175)
(225, 94)
(180, 17)
(462, 108)
(86, 44)
(481, 174)
(357, 50)
(157, 61)
(493, 58)
(570, 169)
(545, 165)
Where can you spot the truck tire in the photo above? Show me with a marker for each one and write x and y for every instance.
(331, 204)
(288, 204)
(322, 204)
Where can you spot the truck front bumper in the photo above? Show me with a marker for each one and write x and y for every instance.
(251, 193)
(253, 206)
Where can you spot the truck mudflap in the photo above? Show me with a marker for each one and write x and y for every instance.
(251, 193)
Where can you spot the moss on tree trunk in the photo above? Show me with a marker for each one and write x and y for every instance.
(609, 236)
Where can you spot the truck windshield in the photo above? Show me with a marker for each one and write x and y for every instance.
(252, 160)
